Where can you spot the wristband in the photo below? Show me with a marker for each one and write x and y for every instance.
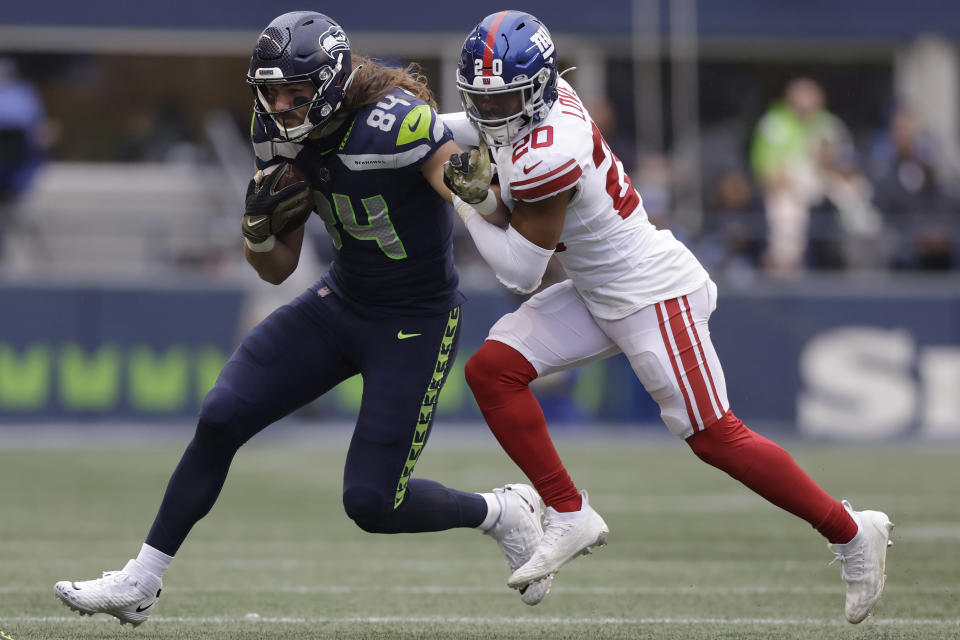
(488, 205)
(261, 247)
(485, 207)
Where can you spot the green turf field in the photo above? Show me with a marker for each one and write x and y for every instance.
(692, 555)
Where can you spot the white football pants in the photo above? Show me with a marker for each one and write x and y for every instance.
(667, 343)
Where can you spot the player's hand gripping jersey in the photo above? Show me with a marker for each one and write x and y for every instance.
(618, 261)
(390, 228)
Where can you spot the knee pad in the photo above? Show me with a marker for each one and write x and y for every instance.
(219, 406)
(366, 507)
(219, 425)
(722, 441)
(480, 368)
(496, 362)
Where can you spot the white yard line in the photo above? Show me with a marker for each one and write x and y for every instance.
(789, 622)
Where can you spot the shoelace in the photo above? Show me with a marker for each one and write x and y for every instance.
(852, 563)
(554, 531)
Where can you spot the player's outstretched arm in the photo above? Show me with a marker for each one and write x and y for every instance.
(519, 254)
(437, 165)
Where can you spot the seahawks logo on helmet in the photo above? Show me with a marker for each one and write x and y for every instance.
(333, 40)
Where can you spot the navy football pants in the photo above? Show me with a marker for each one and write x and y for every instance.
(301, 351)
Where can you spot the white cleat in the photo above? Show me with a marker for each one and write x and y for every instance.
(518, 531)
(128, 595)
(863, 561)
(567, 535)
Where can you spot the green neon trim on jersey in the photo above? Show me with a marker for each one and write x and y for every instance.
(415, 125)
(343, 142)
(429, 403)
(325, 211)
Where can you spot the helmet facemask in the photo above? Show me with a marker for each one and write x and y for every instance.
(486, 98)
(300, 47)
(319, 111)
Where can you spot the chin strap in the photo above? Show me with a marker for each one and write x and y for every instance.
(346, 85)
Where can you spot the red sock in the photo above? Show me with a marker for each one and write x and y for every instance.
(767, 469)
(499, 377)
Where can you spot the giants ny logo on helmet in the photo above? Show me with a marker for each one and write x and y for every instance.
(507, 76)
(542, 39)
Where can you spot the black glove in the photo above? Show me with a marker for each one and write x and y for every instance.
(468, 174)
(269, 212)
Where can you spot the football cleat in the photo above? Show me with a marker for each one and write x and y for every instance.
(863, 561)
(567, 535)
(128, 595)
(518, 532)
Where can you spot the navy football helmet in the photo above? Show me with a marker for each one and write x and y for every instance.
(507, 75)
(301, 46)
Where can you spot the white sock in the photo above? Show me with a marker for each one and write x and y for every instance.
(493, 512)
(153, 560)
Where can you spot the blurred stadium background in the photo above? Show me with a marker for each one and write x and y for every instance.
(123, 290)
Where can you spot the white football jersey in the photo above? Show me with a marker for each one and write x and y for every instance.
(618, 261)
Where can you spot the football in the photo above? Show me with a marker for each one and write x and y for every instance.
(291, 175)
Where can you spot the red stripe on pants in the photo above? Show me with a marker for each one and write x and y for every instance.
(690, 363)
(673, 363)
(703, 354)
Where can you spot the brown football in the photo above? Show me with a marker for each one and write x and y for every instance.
(291, 175)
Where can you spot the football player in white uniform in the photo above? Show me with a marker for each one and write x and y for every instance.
(632, 288)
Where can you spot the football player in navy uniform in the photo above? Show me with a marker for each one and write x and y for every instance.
(371, 146)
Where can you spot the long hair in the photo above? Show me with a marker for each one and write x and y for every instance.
(373, 81)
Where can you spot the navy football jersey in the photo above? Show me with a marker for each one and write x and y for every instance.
(392, 232)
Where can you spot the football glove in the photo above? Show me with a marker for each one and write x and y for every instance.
(269, 211)
(468, 174)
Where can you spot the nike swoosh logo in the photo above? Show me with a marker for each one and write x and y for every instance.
(257, 222)
(403, 336)
(142, 609)
(413, 127)
(527, 170)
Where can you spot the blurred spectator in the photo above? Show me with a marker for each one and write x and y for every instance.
(158, 133)
(23, 140)
(604, 114)
(908, 190)
(801, 154)
(653, 179)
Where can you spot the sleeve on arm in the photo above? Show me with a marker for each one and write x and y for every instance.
(537, 177)
(420, 133)
(399, 132)
(518, 263)
(464, 133)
